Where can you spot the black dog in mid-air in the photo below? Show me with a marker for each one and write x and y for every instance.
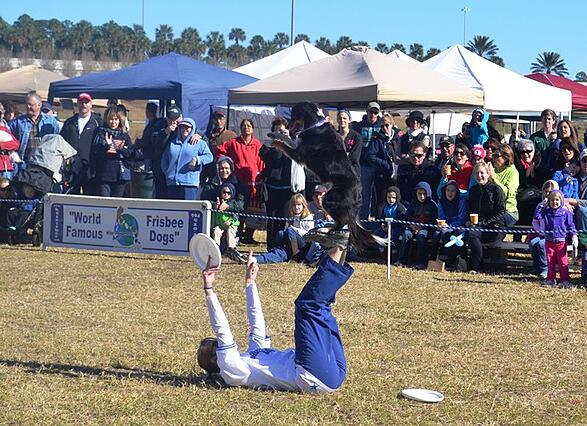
(321, 149)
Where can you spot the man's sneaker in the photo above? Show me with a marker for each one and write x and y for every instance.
(237, 256)
(549, 283)
(328, 238)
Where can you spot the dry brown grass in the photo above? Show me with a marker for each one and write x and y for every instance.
(88, 337)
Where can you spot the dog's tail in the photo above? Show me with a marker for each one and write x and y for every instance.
(363, 239)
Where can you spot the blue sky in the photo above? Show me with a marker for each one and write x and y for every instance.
(520, 29)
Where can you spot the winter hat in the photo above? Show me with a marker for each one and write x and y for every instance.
(416, 116)
(478, 151)
(451, 183)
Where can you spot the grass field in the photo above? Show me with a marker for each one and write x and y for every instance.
(94, 338)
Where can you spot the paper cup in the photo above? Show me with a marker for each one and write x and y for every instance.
(474, 218)
(441, 222)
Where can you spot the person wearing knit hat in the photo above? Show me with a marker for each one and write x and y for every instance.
(477, 154)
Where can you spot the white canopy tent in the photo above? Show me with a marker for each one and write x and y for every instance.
(352, 79)
(398, 54)
(298, 54)
(505, 90)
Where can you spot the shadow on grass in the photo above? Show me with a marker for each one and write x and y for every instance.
(118, 372)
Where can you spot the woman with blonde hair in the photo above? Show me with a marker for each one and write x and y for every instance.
(486, 209)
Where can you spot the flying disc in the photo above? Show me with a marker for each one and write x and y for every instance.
(202, 248)
(422, 395)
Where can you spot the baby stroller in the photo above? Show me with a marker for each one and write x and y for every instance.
(42, 175)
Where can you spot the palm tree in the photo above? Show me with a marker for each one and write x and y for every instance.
(433, 51)
(81, 34)
(255, 49)
(281, 40)
(236, 55)
(382, 47)
(163, 43)
(301, 37)
(190, 43)
(581, 76)
(140, 44)
(482, 46)
(397, 46)
(497, 60)
(550, 63)
(216, 47)
(324, 44)
(416, 51)
(237, 34)
(361, 43)
(344, 42)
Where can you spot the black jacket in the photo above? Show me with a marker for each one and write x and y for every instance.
(277, 170)
(353, 144)
(408, 177)
(81, 143)
(380, 154)
(488, 201)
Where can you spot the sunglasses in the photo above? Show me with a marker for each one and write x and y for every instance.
(566, 148)
(414, 155)
(226, 192)
(459, 152)
(374, 112)
(386, 125)
(527, 151)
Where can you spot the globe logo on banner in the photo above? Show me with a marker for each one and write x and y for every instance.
(126, 228)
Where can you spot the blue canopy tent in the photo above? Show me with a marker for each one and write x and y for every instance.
(194, 85)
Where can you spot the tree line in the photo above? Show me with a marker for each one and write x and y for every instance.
(55, 39)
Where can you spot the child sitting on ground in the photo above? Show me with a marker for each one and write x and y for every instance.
(392, 209)
(556, 221)
(421, 210)
(290, 243)
(567, 180)
(18, 215)
(452, 213)
(225, 225)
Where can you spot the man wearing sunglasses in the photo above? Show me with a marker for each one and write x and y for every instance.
(419, 169)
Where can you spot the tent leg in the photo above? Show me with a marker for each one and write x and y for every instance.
(433, 134)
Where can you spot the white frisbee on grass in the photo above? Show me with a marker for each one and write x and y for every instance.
(202, 248)
(422, 395)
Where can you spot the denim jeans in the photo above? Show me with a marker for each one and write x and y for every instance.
(538, 251)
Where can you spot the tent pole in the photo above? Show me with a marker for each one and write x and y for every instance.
(449, 124)
(517, 126)
(433, 134)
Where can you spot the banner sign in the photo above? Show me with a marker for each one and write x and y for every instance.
(123, 224)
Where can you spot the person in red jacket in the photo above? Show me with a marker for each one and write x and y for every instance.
(8, 144)
(248, 165)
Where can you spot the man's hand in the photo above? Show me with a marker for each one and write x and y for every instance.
(195, 138)
(171, 127)
(252, 269)
(208, 276)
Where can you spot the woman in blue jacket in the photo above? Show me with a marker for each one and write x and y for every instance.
(111, 152)
(182, 163)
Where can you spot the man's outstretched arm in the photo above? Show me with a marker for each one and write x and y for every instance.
(218, 319)
(257, 333)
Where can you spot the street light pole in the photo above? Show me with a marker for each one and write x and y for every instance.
(293, 12)
(465, 10)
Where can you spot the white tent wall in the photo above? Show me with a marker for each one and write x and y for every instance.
(298, 54)
(261, 116)
(504, 90)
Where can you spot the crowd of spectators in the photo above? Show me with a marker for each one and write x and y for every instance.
(474, 180)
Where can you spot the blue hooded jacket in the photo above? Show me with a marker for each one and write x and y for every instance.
(479, 134)
(455, 211)
(178, 155)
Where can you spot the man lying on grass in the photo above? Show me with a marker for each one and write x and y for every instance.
(316, 364)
